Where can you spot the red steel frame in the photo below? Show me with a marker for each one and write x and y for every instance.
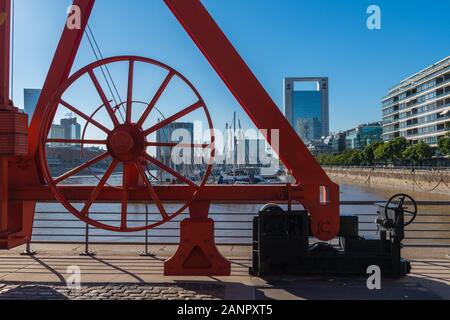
(313, 188)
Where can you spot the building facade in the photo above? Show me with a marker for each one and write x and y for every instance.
(319, 147)
(182, 130)
(360, 137)
(337, 142)
(418, 109)
(68, 129)
(307, 110)
(30, 99)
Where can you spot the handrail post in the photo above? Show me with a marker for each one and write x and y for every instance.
(28, 251)
(146, 252)
(87, 252)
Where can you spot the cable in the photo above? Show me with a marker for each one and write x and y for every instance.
(101, 57)
(94, 45)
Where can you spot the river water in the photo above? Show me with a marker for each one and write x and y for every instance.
(234, 222)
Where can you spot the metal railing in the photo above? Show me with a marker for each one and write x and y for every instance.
(431, 228)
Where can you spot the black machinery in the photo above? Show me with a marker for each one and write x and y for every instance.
(283, 244)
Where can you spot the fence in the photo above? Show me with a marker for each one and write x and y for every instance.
(233, 225)
(419, 179)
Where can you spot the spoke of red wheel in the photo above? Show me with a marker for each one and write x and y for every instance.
(174, 118)
(156, 98)
(124, 197)
(85, 117)
(81, 168)
(99, 187)
(130, 91)
(171, 171)
(180, 145)
(99, 142)
(152, 191)
(105, 100)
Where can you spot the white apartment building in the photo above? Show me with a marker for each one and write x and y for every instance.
(419, 107)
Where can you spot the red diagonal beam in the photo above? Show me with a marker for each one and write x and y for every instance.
(59, 70)
(245, 87)
(260, 107)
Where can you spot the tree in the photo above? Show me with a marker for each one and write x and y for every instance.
(397, 147)
(368, 154)
(381, 153)
(444, 145)
(418, 152)
(351, 158)
(392, 151)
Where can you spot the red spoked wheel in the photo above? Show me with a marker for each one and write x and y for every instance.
(125, 144)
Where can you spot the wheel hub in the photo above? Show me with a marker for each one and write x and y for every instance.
(126, 142)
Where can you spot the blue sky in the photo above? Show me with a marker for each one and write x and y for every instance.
(277, 38)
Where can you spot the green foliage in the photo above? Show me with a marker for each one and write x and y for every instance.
(391, 152)
(382, 153)
(368, 154)
(395, 151)
(418, 152)
(444, 145)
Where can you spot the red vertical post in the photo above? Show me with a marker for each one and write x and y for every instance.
(5, 29)
(3, 195)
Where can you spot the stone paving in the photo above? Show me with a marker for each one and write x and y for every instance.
(119, 273)
(110, 292)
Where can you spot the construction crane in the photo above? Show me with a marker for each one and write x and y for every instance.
(26, 179)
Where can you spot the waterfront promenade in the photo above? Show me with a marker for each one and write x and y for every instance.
(118, 272)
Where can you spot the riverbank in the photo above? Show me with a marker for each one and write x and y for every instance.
(416, 180)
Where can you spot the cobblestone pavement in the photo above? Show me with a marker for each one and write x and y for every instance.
(111, 292)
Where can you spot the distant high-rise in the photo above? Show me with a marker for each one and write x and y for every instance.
(68, 129)
(166, 134)
(306, 103)
(30, 98)
(72, 129)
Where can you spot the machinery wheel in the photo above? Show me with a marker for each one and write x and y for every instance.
(271, 207)
(398, 202)
(126, 143)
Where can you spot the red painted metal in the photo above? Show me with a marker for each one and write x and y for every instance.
(5, 31)
(126, 143)
(30, 179)
(197, 254)
(13, 142)
(240, 80)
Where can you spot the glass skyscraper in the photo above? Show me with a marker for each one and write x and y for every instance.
(31, 97)
(307, 110)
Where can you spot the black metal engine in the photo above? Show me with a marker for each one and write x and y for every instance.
(283, 243)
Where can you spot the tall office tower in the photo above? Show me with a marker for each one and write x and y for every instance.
(30, 98)
(68, 129)
(306, 103)
(184, 131)
(72, 129)
(418, 108)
